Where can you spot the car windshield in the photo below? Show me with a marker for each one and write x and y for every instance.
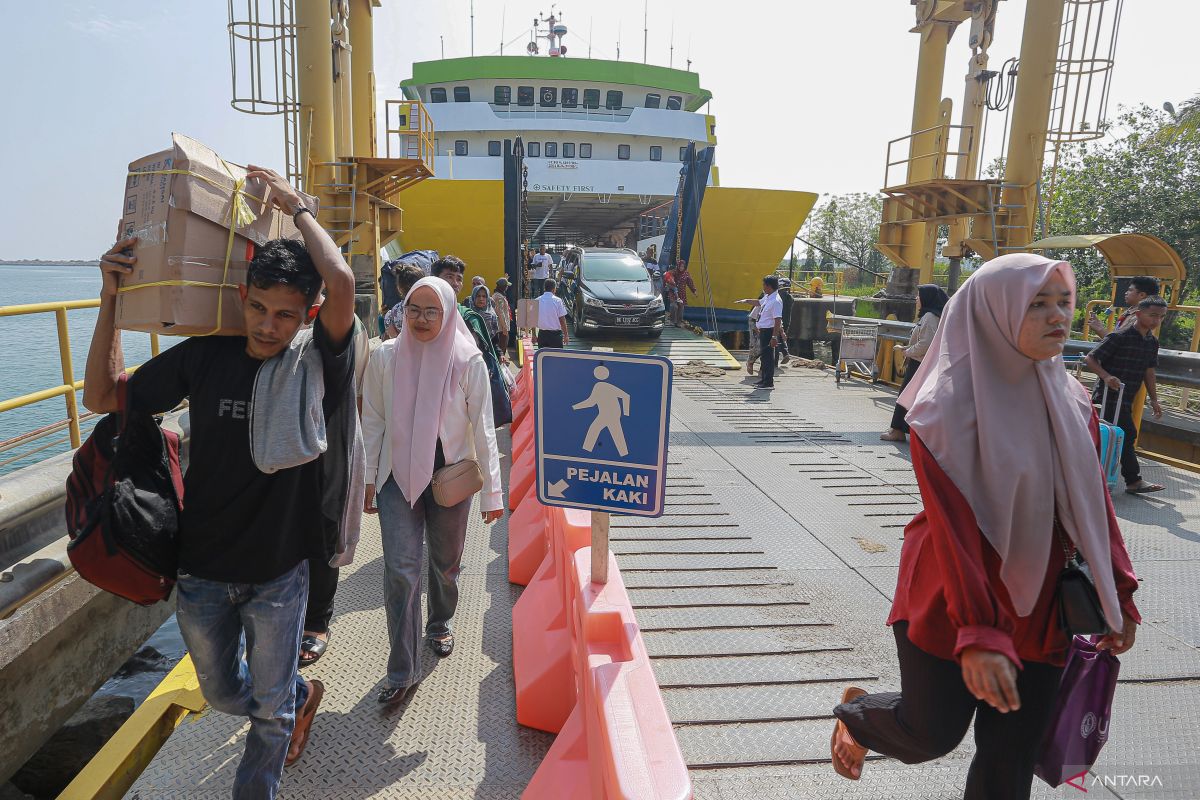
(614, 267)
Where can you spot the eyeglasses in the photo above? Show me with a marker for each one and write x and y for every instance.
(430, 314)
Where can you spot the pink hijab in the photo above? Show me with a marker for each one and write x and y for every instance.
(1013, 434)
(425, 383)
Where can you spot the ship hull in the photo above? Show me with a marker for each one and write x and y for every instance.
(742, 236)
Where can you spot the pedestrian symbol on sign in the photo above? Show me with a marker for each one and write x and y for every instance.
(611, 403)
(602, 430)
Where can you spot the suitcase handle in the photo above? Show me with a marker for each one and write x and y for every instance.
(1104, 403)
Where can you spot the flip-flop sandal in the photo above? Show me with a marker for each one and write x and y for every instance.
(304, 720)
(314, 647)
(839, 727)
(1145, 489)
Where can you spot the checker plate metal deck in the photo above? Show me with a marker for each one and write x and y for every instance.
(728, 596)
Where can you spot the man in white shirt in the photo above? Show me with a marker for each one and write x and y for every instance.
(770, 329)
(551, 318)
(542, 262)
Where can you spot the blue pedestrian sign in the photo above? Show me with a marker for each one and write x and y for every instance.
(602, 426)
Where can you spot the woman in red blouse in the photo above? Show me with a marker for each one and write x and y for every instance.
(1004, 449)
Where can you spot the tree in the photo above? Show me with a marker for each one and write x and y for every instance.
(846, 227)
(1142, 181)
(1184, 121)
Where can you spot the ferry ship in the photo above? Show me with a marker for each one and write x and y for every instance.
(604, 141)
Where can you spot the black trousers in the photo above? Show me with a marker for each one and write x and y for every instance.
(1131, 471)
(550, 338)
(767, 371)
(322, 585)
(910, 369)
(930, 714)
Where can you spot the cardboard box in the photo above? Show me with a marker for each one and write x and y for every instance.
(182, 221)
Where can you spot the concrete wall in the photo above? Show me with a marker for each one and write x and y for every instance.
(59, 647)
(55, 652)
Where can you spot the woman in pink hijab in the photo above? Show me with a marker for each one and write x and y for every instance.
(426, 404)
(1004, 449)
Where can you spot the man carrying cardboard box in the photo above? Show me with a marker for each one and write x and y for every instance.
(253, 509)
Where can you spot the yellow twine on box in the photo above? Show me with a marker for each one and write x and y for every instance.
(240, 215)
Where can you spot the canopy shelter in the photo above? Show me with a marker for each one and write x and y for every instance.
(1128, 255)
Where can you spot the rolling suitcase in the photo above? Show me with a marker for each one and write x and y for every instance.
(1112, 440)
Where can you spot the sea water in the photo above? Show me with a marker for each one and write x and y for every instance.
(29, 350)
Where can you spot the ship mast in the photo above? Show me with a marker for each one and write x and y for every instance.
(553, 33)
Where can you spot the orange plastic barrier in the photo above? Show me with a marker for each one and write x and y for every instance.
(618, 741)
(526, 540)
(520, 478)
(521, 407)
(522, 439)
(542, 671)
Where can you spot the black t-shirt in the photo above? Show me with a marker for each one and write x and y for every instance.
(239, 525)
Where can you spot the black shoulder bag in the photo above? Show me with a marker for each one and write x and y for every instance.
(1079, 609)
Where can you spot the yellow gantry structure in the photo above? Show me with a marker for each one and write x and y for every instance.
(940, 159)
(339, 155)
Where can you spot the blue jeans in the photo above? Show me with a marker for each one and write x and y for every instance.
(244, 639)
(405, 528)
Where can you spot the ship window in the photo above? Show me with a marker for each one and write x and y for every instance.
(551, 149)
(591, 98)
(570, 98)
(494, 147)
(533, 149)
(674, 103)
(460, 147)
(548, 97)
(524, 95)
(503, 95)
(462, 94)
(437, 94)
(655, 153)
(568, 149)
(653, 100)
(612, 100)
(623, 152)
(585, 150)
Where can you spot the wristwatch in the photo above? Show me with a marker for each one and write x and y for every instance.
(303, 209)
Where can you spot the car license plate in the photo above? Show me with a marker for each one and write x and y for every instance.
(627, 320)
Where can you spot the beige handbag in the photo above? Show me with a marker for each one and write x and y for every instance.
(454, 483)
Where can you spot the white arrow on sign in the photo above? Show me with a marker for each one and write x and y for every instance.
(556, 489)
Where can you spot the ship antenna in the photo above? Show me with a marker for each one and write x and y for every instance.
(672, 60)
(618, 40)
(590, 21)
(472, 28)
(645, 29)
(443, 40)
(503, 17)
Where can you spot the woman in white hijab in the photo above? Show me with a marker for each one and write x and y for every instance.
(1004, 449)
(426, 404)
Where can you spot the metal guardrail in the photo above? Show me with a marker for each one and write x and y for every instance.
(932, 143)
(69, 388)
(1175, 367)
(412, 126)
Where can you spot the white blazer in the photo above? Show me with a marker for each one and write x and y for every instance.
(466, 429)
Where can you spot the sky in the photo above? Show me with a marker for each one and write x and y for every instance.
(807, 93)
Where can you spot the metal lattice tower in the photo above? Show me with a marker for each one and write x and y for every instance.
(262, 42)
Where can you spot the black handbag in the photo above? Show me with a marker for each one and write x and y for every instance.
(1079, 609)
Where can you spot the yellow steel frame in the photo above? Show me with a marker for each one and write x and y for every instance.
(126, 755)
(69, 388)
(413, 129)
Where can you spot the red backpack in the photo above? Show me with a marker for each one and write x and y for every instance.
(124, 495)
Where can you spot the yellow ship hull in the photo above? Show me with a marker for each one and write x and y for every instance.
(742, 236)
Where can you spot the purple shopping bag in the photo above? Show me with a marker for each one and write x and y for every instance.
(1078, 726)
